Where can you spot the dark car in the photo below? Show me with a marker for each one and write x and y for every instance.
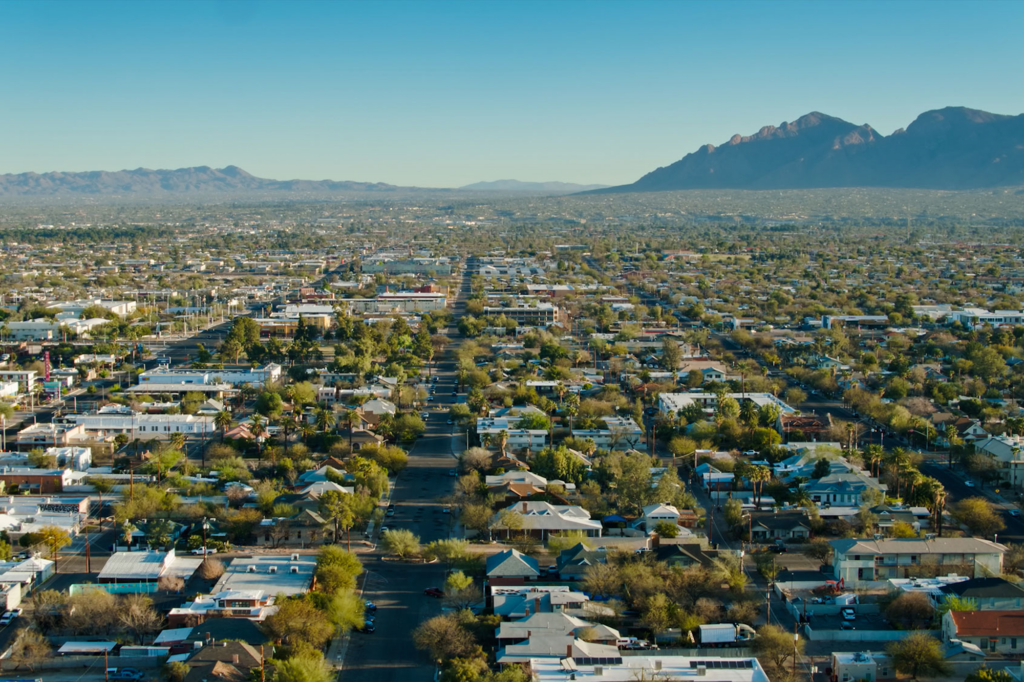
(367, 627)
(369, 606)
(435, 592)
(779, 549)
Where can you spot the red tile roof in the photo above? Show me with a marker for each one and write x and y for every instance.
(988, 623)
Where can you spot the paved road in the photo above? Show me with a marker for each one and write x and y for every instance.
(397, 588)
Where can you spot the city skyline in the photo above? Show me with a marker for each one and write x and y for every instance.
(447, 94)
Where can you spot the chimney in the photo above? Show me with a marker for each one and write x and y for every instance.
(525, 507)
(234, 659)
(536, 604)
(568, 651)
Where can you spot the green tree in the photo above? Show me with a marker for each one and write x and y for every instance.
(666, 529)
(443, 637)
(978, 515)
(918, 654)
(400, 542)
(449, 551)
(307, 666)
(775, 647)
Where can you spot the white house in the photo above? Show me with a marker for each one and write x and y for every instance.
(656, 513)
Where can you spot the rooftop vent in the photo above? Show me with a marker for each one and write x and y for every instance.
(702, 670)
(272, 569)
(250, 569)
(295, 557)
(295, 569)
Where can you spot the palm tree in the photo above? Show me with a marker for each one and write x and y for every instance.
(874, 454)
(352, 420)
(178, 441)
(258, 431)
(324, 419)
(898, 458)
(572, 408)
(223, 421)
(502, 441)
(126, 533)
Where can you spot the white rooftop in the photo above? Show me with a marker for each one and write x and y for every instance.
(632, 668)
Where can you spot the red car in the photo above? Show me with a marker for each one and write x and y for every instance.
(434, 592)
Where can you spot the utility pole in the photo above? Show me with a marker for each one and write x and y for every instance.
(796, 638)
(88, 555)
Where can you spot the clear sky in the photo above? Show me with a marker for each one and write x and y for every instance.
(441, 94)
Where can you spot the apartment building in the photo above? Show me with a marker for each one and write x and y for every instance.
(870, 563)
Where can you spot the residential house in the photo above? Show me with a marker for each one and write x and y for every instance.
(372, 411)
(995, 632)
(844, 489)
(540, 519)
(511, 565)
(686, 555)
(988, 594)
(554, 635)
(656, 513)
(867, 563)
(776, 525)
(224, 660)
(572, 563)
(511, 602)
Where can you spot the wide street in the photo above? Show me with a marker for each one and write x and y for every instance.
(397, 587)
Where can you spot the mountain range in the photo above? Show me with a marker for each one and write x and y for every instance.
(146, 182)
(532, 187)
(950, 149)
(232, 180)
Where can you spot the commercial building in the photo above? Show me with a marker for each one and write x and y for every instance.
(540, 315)
(145, 426)
(208, 377)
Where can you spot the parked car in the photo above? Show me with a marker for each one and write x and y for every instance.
(446, 510)
(969, 484)
(1015, 512)
(848, 614)
(435, 592)
(450, 421)
(452, 472)
(124, 674)
(424, 415)
(390, 511)
(202, 551)
(369, 606)
(367, 628)
(846, 626)
(9, 616)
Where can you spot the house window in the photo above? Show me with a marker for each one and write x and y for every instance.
(1013, 642)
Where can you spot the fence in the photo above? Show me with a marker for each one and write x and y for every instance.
(863, 635)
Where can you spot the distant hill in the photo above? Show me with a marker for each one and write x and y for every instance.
(953, 148)
(534, 187)
(183, 181)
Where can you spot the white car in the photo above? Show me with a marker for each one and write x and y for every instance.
(203, 551)
(969, 484)
(9, 616)
(424, 415)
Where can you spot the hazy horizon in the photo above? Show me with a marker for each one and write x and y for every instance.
(446, 94)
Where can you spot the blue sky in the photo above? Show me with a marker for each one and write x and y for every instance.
(447, 93)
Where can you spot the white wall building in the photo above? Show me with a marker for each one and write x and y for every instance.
(235, 377)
